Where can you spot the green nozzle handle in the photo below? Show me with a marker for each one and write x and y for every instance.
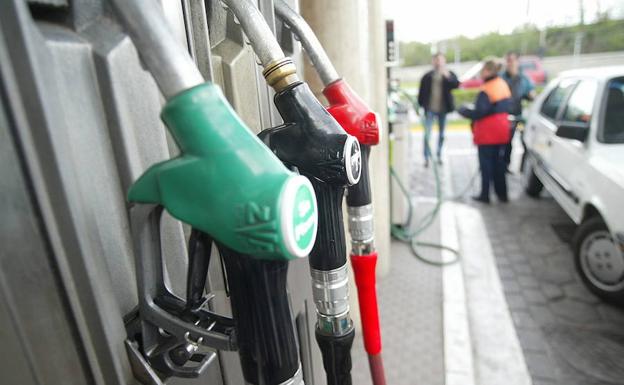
(227, 183)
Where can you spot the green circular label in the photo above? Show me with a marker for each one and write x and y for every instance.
(304, 217)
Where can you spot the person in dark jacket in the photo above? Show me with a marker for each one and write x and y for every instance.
(522, 88)
(490, 125)
(435, 97)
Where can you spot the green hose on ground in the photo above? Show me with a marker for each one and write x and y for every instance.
(409, 232)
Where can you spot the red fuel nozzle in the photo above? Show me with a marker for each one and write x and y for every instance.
(352, 112)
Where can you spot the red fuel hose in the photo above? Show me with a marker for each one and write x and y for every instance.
(358, 120)
(364, 271)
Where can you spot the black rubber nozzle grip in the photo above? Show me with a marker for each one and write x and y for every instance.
(336, 352)
(329, 251)
(360, 193)
(268, 348)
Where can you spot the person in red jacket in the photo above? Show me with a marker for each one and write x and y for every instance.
(490, 127)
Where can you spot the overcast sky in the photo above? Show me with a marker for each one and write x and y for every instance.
(432, 20)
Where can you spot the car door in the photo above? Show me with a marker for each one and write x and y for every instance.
(542, 126)
(568, 157)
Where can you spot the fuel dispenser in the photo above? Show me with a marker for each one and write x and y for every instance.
(358, 120)
(313, 142)
(234, 192)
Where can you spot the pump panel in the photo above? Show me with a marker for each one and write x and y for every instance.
(79, 123)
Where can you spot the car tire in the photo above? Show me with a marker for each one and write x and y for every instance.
(532, 185)
(598, 260)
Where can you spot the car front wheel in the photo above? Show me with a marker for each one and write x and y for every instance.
(599, 261)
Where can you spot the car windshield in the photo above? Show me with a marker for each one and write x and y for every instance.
(613, 127)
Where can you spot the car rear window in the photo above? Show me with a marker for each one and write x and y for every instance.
(613, 125)
(556, 98)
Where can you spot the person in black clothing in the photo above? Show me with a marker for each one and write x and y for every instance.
(435, 97)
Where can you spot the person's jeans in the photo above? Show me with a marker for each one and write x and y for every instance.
(492, 164)
(429, 117)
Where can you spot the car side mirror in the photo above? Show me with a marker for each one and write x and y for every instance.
(573, 130)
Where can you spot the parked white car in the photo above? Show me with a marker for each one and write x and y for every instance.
(575, 149)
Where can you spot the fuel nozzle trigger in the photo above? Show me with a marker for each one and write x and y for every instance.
(169, 332)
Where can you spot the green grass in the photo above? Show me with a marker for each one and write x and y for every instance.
(410, 85)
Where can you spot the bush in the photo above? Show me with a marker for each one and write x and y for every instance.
(604, 35)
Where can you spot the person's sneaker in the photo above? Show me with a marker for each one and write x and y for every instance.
(503, 200)
(440, 161)
(481, 199)
(426, 163)
(508, 171)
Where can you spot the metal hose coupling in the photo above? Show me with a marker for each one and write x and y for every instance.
(361, 229)
(280, 73)
(330, 291)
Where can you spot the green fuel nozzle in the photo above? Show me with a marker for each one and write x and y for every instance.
(235, 193)
(226, 183)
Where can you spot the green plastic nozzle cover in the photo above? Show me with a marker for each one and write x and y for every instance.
(227, 183)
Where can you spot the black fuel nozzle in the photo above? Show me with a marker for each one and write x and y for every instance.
(312, 141)
(262, 317)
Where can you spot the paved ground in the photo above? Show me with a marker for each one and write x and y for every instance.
(567, 335)
(410, 302)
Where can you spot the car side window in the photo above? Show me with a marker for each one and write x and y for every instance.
(581, 103)
(554, 100)
(613, 126)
